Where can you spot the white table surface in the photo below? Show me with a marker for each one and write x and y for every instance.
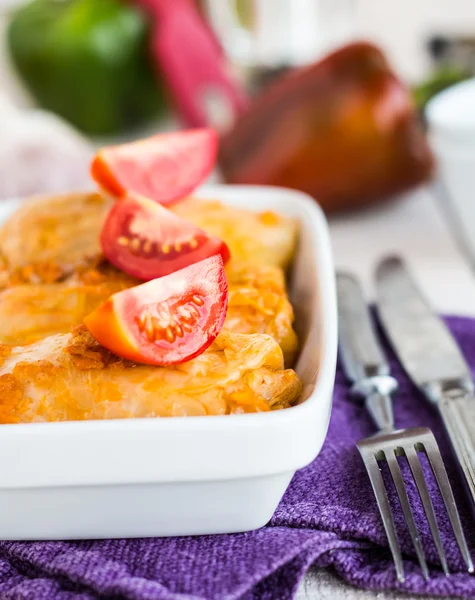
(416, 228)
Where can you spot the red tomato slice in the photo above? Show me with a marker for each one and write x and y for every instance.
(147, 240)
(166, 321)
(164, 168)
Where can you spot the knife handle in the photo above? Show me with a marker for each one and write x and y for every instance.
(457, 409)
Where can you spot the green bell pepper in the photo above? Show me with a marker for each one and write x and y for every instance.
(87, 61)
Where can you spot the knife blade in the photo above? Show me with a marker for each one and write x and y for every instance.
(422, 341)
(360, 351)
(431, 358)
(362, 357)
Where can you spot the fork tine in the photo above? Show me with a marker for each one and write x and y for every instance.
(379, 490)
(440, 473)
(421, 484)
(407, 511)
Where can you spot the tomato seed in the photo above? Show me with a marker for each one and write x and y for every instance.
(185, 313)
(197, 300)
(194, 311)
(170, 334)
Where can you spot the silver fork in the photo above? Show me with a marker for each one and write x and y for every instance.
(367, 369)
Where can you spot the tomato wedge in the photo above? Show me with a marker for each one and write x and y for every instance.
(166, 321)
(164, 168)
(146, 240)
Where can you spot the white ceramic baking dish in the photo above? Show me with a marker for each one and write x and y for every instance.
(180, 476)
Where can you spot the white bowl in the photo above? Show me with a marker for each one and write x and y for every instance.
(181, 476)
(451, 120)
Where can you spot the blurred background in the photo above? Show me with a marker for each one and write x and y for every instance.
(403, 29)
(344, 82)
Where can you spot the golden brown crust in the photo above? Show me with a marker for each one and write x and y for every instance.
(70, 377)
(257, 304)
(93, 271)
(263, 238)
(60, 276)
(11, 392)
(32, 312)
(5, 351)
(63, 235)
(40, 272)
(87, 354)
(49, 234)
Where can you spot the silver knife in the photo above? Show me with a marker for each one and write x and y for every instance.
(364, 363)
(431, 358)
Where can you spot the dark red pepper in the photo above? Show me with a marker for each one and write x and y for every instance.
(344, 130)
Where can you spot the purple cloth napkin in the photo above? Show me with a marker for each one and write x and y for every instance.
(328, 517)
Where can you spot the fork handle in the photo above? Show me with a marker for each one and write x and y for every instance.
(458, 415)
(377, 394)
